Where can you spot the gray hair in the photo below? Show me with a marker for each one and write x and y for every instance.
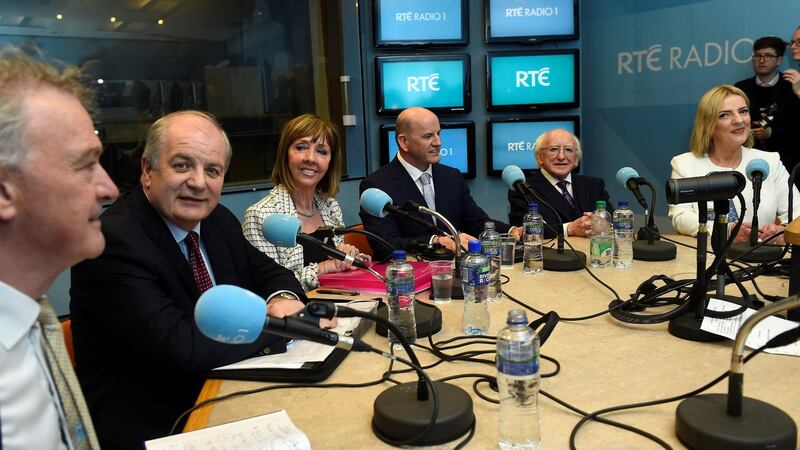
(19, 75)
(538, 147)
(157, 135)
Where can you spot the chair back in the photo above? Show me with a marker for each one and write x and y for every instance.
(66, 327)
(358, 240)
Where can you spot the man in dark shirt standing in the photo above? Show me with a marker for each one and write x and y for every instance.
(771, 95)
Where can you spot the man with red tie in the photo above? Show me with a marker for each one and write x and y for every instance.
(140, 358)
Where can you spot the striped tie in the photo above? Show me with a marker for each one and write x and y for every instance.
(567, 196)
(76, 413)
(427, 191)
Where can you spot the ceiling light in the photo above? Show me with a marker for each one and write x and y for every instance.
(161, 21)
(59, 16)
(113, 19)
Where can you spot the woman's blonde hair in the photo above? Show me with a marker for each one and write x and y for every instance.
(316, 127)
(707, 115)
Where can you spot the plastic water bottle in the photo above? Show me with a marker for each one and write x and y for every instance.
(475, 282)
(400, 297)
(490, 242)
(533, 224)
(518, 383)
(601, 244)
(623, 236)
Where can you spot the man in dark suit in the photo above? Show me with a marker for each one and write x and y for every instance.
(558, 153)
(768, 89)
(140, 358)
(415, 173)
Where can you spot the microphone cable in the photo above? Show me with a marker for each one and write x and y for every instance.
(781, 339)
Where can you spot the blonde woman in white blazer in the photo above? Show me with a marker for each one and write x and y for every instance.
(306, 176)
(722, 140)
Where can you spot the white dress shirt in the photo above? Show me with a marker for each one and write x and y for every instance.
(416, 174)
(30, 409)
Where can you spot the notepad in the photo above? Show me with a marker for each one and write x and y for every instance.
(274, 431)
(363, 281)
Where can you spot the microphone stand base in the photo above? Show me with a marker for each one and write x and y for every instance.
(427, 316)
(657, 251)
(702, 422)
(765, 253)
(688, 328)
(567, 261)
(399, 416)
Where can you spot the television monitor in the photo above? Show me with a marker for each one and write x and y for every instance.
(440, 83)
(420, 23)
(511, 141)
(531, 21)
(532, 80)
(458, 146)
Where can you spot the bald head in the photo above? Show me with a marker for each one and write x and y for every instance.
(418, 137)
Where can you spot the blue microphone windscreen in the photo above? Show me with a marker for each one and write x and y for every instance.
(757, 165)
(625, 174)
(281, 230)
(230, 314)
(373, 201)
(511, 175)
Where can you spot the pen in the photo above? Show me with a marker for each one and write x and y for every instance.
(331, 292)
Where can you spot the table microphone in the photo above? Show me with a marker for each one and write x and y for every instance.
(234, 315)
(732, 421)
(757, 171)
(648, 245)
(377, 203)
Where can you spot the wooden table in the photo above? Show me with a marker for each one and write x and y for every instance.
(603, 363)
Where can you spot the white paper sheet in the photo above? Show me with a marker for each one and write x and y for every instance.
(759, 335)
(274, 431)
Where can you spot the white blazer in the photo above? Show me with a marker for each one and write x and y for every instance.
(774, 190)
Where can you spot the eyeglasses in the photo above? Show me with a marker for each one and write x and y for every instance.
(792, 42)
(555, 150)
(767, 57)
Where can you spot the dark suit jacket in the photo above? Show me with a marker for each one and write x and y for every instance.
(141, 360)
(586, 191)
(453, 200)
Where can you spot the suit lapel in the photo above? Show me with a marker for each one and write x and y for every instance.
(404, 183)
(157, 231)
(222, 262)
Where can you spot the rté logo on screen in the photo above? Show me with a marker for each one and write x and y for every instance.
(423, 83)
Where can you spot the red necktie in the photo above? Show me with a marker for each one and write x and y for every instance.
(199, 270)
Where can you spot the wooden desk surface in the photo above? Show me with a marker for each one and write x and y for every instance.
(603, 363)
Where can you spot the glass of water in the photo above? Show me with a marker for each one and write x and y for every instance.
(442, 280)
(507, 243)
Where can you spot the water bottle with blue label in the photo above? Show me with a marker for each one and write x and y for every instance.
(490, 242)
(475, 283)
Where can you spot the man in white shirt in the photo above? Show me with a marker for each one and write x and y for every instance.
(52, 188)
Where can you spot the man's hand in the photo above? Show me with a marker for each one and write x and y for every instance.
(762, 134)
(449, 244)
(281, 307)
(793, 76)
(582, 226)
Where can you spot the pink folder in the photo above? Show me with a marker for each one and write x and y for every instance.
(363, 281)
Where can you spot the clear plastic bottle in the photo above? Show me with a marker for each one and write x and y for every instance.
(490, 242)
(518, 383)
(601, 244)
(400, 296)
(533, 224)
(475, 282)
(623, 236)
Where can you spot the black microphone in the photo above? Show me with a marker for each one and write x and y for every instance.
(377, 203)
(629, 177)
(284, 231)
(757, 171)
(233, 315)
(714, 186)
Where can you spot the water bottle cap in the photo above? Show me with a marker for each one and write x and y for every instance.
(474, 246)
(517, 317)
(622, 203)
(601, 204)
(533, 207)
(399, 254)
(488, 225)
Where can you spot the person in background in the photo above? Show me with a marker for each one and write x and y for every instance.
(558, 153)
(52, 189)
(793, 75)
(306, 177)
(771, 95)
(416, 173)
(141, 358)
(722, 141)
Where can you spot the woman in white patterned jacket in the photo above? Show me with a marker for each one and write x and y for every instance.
(308, 167)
